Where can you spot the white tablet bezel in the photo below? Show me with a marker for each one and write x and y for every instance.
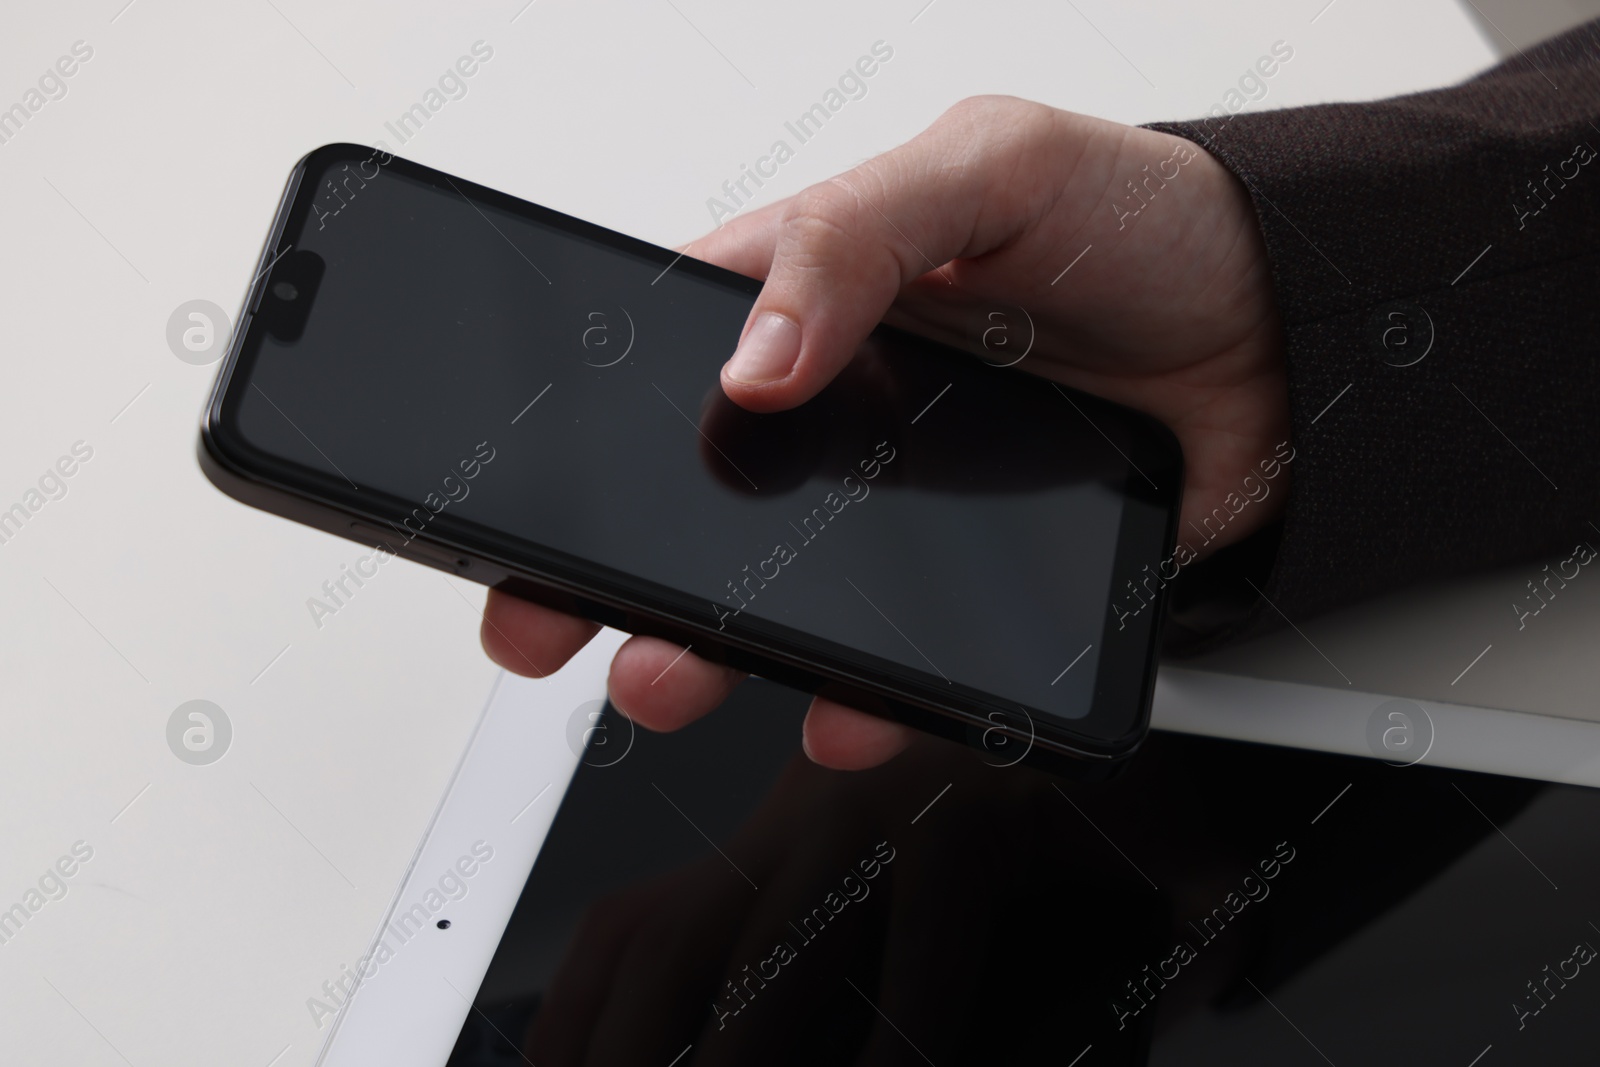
(407, 1007)
(1461, 736)
(517, 767)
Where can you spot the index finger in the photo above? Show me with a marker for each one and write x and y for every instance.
(528, 639)
(844, 249)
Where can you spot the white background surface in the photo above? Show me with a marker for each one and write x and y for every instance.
(221, 897)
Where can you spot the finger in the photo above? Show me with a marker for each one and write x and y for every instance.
(743, 244)
(843, 249)
(528, 639)
(850, 740)
(661, 686)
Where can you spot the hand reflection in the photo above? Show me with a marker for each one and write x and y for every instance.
(996, 928)
(938, 908)
(880, 396)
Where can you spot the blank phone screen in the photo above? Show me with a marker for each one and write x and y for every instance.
(931, 511)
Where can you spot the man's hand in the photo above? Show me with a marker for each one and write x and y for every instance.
(1136, 255)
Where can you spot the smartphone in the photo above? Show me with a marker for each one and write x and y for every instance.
(450, 374)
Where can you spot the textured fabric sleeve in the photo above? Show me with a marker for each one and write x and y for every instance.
(1436, 262)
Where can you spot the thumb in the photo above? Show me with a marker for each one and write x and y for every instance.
(844, 249)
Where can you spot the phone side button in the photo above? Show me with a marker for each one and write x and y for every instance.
(422, 553)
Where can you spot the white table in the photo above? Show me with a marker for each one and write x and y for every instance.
(219, 897)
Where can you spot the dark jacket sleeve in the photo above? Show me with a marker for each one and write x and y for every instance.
(1436, 263)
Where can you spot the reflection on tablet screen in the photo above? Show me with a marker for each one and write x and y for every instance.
(713, 898)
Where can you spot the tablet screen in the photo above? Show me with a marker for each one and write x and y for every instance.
(713, 898)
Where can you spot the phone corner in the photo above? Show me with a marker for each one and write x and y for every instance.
(219, 468)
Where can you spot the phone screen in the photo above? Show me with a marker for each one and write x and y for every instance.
(509, 376)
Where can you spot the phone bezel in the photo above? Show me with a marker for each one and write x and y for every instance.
(1089, 746)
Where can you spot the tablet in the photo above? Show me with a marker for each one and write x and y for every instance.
(710, 897)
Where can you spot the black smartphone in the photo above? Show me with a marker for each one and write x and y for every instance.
(532, 402)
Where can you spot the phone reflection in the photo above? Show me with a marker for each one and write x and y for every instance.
(1023, 437)
(939, 909)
